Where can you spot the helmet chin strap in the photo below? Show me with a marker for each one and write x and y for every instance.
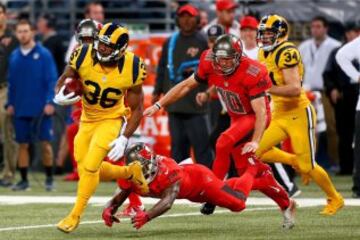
(113, 57)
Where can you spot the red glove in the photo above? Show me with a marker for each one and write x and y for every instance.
(140, 219)
(108, 217)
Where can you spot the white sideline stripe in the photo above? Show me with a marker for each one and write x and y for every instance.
(100, 201)
(127, 219)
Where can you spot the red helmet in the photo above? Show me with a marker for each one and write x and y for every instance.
(227, 52)
(87, 29)
(147, 158)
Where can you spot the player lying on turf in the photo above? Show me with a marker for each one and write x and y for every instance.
(169, 181)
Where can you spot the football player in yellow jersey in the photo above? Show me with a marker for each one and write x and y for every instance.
(293, 116)
(108, 74)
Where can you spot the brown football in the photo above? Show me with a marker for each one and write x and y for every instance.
(73, 85)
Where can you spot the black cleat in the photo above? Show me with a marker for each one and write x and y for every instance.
(207, 209)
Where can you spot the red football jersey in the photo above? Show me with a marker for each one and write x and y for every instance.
(192, 177)
(250, 80)
(169, 172)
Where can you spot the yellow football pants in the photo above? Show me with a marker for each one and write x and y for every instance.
(299, 126)
(91, 147)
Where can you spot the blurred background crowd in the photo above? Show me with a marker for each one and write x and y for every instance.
(319, 27)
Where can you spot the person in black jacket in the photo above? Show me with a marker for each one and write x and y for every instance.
(180, 56)
(8, 43)
(51, 39)
(343, 96)
(46, 27)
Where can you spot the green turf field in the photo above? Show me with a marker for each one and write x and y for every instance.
(36, 221)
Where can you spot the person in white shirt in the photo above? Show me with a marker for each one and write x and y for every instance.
(94, 11)
(204, 18)
(345, 57)
(315, 53)
(248, 32)
(225, 12)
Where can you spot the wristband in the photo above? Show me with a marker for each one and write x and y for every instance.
(157, 104)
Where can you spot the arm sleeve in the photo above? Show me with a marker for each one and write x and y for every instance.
(139, 70)
(287, 57)
(74, 57)
(50, 77)
(161, 69)
(201, 74)
(346, 55)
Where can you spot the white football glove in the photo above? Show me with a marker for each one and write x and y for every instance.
(68, 99)
(118, 147)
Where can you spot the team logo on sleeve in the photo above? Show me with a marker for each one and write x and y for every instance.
(75, 53)
(253, 70)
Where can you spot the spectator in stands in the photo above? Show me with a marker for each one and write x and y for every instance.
(248, 36)
(345, 57)
(225, 12)
(343, 95)
(179, 59)
(32, 76)
(8, 43)
(213, 33)
(315, 53)
(93, 10)
(46, 27)
(204, 18)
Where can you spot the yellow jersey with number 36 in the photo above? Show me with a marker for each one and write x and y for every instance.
(104, 89)
(284, 56)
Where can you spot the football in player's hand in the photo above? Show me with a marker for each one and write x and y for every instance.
(73, 85)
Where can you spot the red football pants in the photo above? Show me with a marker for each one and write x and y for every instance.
(239, 132)
(267, 184)
(199, 184)
(263, 181)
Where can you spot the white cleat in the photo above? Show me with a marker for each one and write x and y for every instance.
(289, 215)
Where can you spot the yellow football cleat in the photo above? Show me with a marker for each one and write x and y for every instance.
(333, 205)
(68, 224)
(137, 176)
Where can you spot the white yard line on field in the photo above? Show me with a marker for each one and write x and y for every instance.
(127, 219)
(100, 201)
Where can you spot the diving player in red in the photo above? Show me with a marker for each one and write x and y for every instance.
(242, 84)
(169, 181)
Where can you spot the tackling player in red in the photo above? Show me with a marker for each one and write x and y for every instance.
(169, 181)
(242, 84)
